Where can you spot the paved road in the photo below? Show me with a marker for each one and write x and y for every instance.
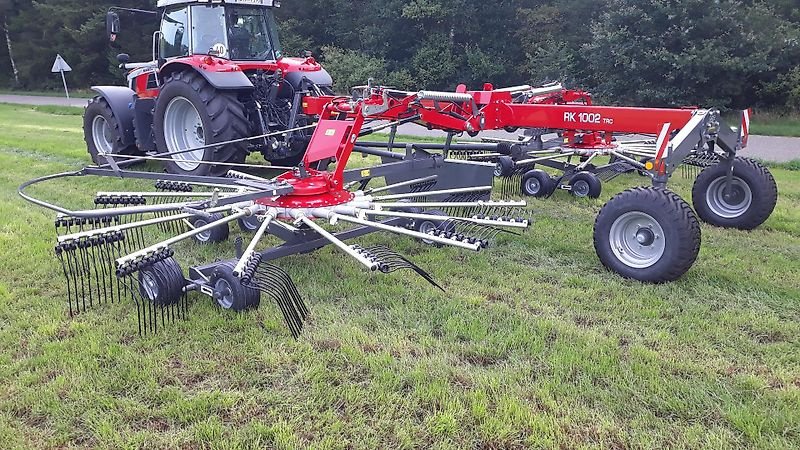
(770, 148)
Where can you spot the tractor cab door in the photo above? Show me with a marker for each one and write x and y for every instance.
(175, 35)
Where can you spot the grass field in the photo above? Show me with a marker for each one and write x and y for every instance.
(534, 345)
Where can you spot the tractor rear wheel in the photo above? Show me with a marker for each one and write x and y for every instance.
(745, 204)
(190, 113)
(647, 234)
(103, 132)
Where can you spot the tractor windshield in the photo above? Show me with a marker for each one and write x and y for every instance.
(236, 32)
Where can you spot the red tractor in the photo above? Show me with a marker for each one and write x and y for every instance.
(217, 76)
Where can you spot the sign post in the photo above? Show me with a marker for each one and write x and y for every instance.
(61, 66)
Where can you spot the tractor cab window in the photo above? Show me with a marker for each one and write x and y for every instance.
(208, 31)
(251, 34)
(174, 36)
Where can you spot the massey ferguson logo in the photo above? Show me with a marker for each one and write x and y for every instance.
(591, 118)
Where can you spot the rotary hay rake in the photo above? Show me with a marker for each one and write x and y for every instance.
(125, 247)
(648, 234)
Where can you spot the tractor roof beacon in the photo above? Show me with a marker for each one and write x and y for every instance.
(217, 88)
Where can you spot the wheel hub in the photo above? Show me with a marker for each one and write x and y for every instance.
(533, 186)
(205, 236)
(645, 237)
(637, 240)
(102, 135)
(580, 188)
(223, 293)
(150, 286)
(729, 200)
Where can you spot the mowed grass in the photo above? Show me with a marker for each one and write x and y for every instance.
(534, 345)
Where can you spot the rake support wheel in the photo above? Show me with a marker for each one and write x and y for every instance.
(162, 283)
(230, 293)
(745, 204)
(217, 234)
(647, 234)
(586, 184)
(537, 183)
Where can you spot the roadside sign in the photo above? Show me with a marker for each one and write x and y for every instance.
(61, 66)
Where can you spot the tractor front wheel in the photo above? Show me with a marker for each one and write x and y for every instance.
(103, 132)
(191, 114)
(745, 202)
(647, 234)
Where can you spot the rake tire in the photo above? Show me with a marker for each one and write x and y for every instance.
(504, 167)
(162, 283)
(748, 203)
(230, 293)
(427, 225)
(647, 234)
(586, 184)
(217, 234)
(537, 183)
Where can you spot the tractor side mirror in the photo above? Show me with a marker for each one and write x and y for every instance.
(112, 25)
(123, 58)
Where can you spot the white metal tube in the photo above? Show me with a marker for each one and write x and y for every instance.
(429, 193)
(406, 232)
(487, 222)
(139, 224)
(155, 194)
(245, 176)
(272, 213)
(547, 89)
(335, 241)
(548, 158)
(519, 204)
(182, 237)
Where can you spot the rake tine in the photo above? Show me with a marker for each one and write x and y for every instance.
(284, 296)
(60, 254)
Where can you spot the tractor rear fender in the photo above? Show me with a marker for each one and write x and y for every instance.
(320, 78)
(121, 100)
(222, 80)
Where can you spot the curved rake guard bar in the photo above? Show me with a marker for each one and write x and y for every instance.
(254, 190)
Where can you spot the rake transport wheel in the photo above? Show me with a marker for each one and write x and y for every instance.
(647, 234)
(219, 233)
(537, 183)
(102, 132)
(162, 283)
(586, 184)
(190, 113)
(744, 204)
(229, 292)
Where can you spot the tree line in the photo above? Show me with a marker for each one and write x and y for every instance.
(726, 53)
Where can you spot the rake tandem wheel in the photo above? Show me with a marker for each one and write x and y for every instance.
(647, 234)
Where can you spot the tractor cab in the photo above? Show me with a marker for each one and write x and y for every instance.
(216, 75)
(243, 30)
